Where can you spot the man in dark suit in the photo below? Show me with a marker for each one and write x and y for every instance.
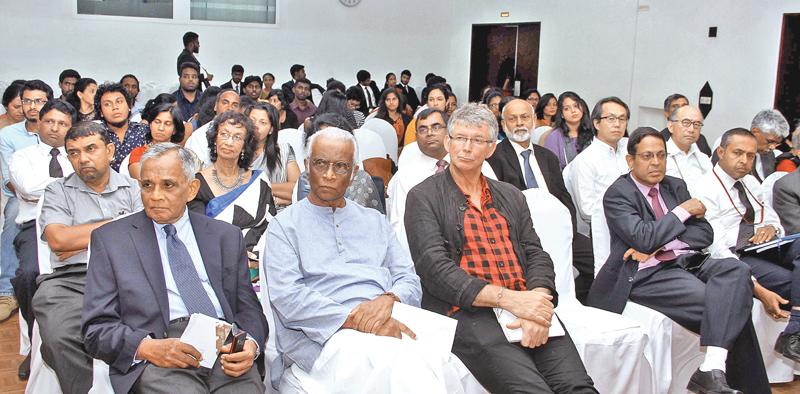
(411, 95)
(191, 45)
(657, 233)
(516, 153)
(150, 271)
(786, 201)
(298, 71)
(237, 73)
(369, 93)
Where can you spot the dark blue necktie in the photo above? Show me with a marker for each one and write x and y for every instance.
(189, 285)
(530, 179)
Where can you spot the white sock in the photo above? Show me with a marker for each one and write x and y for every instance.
(715, 359)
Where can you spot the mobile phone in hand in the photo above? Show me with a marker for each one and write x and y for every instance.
(237, 344)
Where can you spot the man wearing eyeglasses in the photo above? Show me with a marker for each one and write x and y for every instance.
(741, 219)
(770, 128)
(475, 249)
(684, 158)
(671, 103)
(657, 236)
(335, 271)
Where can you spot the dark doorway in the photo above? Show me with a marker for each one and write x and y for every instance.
(504, 54)
(787, 87)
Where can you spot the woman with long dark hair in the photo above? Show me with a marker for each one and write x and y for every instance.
(287, 119)
(572, 128)
(82, 98)
(278, 161)
(390, 109)
(546, 109)
(532, 96)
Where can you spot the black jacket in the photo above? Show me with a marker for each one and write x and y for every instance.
(632, 224)
(434, 223)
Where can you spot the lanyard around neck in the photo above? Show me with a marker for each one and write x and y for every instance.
(734, 205)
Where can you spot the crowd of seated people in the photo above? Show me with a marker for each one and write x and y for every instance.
(185, 203)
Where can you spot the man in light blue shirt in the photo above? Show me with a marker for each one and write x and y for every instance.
(334, 271)
(34, 95)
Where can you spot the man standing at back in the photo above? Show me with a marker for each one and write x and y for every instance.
(191, 45)
(411, 95)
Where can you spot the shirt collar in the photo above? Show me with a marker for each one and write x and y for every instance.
(47, 148)
(673, 150)
(726, 179)
(115, 181)
(518, 148)
(621, 146)
(644, 188)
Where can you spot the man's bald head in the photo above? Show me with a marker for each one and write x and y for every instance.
(519, 120)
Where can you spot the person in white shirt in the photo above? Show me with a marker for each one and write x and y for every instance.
(740, 218)
(31, 170)
(603, 161)
(227, 99)
(685, 160)
(430, 159)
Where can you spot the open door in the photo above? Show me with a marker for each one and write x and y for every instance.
(787, 87)
(504, 55)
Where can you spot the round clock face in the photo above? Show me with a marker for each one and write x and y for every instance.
(349, 3)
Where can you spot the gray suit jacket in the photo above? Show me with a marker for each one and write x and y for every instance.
(126, 295)
(786, 201)
(633, 224)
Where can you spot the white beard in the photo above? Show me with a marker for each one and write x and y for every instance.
(517, 136)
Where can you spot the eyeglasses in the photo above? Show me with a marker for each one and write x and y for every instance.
(433, 129)
(615, 119)
(514, 119)
(479, 142)
(224, 136)
(688, 123)
(339, 167)
(37, 101)
(648, 156)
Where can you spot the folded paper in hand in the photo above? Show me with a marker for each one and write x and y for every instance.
(505, 318)
(434, 331)
(207, 335)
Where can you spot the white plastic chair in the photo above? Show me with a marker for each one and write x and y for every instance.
(583, 222)
(370, 145)
(294, 138)
(769, 183)
(387, 133)
(609, 344)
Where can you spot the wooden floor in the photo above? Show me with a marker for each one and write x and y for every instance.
(10, 359)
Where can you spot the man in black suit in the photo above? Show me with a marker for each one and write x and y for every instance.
(369, 93)
(673, 102)
(516, 153)
(191, 45)
(237, 73)
(657, 234)
(411, 95)
(297, 71)
(150, 271)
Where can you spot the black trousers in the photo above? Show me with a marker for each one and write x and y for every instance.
(715, 301)
(583, 261)
(778, 270)
(504, 367)
(24, 282)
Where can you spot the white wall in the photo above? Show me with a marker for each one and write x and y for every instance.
(641, 50)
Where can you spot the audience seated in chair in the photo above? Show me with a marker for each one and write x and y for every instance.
(334, 271)
(657, 233)
(740, 218)
(73, 207)
(475, 249)
(672, 103)
(113, 106)
(150, 271)
(685, 159)
(227, 100)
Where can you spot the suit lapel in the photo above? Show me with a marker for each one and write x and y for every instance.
(510, 156)
(544, 166)
(641, 198)
(146, 246)
(668, 195)
(212, 260)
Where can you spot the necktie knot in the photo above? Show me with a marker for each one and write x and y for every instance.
(652, 192)
(440, 166)
(54, 152)
(526, 154)
(170, 230)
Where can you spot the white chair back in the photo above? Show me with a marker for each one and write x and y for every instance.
(370, 145)
(555, 232)
(294, 138)
(572, 187)
(538, 133)
(123, 167)
(387, 133)
(601, 240)
(43, 250)
(769, 183)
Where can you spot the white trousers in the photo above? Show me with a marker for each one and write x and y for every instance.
(354, 362)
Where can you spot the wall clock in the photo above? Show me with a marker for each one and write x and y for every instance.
(349, 3)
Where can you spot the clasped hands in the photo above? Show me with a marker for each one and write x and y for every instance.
(375, 317)
(534, 312)
(172, 353)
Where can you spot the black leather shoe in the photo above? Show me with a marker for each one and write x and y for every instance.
(24, 368)
(711, 382)
(789, 345)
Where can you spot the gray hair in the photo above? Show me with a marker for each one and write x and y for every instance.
(189, 160)
(503, 112)
(336, 134)
(474, 115)
(771, 121)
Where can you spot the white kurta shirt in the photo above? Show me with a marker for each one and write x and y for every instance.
(594, 170)
(690, 166)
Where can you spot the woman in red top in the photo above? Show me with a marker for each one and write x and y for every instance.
(390, 109)
(165, 126)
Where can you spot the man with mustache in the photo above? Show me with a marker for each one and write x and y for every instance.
(73, 207)
(35, 94)
(113, 104)
(740, 218)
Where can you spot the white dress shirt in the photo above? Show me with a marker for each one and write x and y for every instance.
(691, 166)
(410, 175)
(534, 164)
(30, 173)
(369, 96)
(198, 143)
(594, 170)
(722, 215)
(184, 232)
